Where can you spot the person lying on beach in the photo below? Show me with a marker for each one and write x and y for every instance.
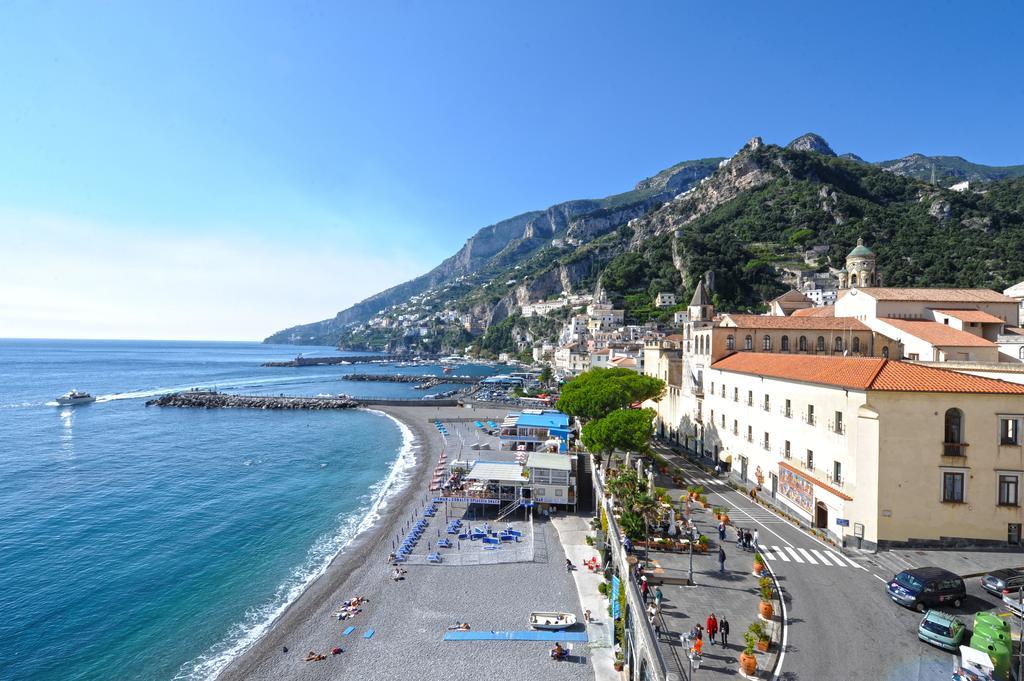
(313, 657)
(459, 626)
(397, 574)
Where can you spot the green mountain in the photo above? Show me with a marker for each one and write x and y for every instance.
(949, 169)
(749, 219)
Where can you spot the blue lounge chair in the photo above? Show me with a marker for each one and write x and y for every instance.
(348, 631)
(434, 557)
(368, 634)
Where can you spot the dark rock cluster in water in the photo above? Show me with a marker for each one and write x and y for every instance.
(213, 400)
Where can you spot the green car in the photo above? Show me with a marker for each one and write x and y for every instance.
(942, 630)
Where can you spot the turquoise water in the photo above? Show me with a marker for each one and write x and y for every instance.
(148, 543)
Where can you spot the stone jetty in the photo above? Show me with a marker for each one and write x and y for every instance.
(351, 359)
(422, 382)
(202, 399)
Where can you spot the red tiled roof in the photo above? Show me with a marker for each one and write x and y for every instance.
(937, 295)
(824, 311)
(938, 334)
(816, 481)
(973, 316)
(753, 321)
(862, 373)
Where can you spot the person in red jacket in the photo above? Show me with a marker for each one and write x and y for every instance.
(712, 626)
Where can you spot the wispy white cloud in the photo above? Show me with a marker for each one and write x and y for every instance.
(65, 277)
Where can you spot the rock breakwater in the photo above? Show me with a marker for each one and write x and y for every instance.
(199, 399)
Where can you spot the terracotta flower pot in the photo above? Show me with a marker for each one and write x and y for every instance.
(748, 663)
(762, 645)
(618, 665)
(766, 610)
(758, 568)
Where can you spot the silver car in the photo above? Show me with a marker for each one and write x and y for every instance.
(998, 581)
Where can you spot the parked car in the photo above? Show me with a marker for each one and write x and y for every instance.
(922, 588)
(998, 581)
(1013, 602)
(942, 629)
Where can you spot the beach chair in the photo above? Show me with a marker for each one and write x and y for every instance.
(434, 557)
(491, 540)
(463, 535)
(444, 543)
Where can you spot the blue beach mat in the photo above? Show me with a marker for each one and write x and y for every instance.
(368, 634)
(348, 631)
(567, 636)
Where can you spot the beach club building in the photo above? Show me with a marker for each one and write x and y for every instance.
(535, 430)
(543, 480)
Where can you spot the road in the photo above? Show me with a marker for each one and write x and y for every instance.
(841, 623)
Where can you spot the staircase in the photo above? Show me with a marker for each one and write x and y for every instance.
(508, 509)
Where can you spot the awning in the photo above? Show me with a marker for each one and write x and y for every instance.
(724, 456)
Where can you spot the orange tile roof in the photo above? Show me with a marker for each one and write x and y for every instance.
(938, 295)
(973, 316)
(936, 333)
(862, 373)
(753, 321)
(824, 311)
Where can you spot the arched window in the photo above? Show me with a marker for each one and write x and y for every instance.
(785, 344)
(856, 345)
(821, 344)
(748, 342)
(953, 432)
(853, 280)
(730, 342)
(1021, 352)
(802, 344)
(839, 343)
(766, 343)
(885, 352)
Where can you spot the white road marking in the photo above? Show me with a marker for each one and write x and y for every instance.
(838, 556)
(796, 556)
(822, 558)
(780, 553)
(766, 553)
(785, 625)
(878, 578)
(808, 556)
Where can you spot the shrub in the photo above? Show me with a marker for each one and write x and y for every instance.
(602, 588)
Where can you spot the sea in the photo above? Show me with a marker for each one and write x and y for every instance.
(158, 543)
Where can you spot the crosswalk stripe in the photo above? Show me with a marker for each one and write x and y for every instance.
(796, 556)
(808, 556)
(838, 556)
(822, 558)
(766, 553)
(780, 553)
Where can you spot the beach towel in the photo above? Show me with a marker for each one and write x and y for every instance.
(368, 634)
(348, 631)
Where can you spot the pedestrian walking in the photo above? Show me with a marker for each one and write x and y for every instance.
(721, 559)
(718, 469)
(645, 589)
(627, 544)
(658, 597)
(721, 531)
(755, 538)
(723, 629)
(748, 539)
(712, 627)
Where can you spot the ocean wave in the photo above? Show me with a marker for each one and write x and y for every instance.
(319, 557)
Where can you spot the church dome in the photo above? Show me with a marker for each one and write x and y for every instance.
(861, 251)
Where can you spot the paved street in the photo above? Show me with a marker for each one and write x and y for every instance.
(842, 625)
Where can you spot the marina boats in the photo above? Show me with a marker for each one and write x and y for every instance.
(552, 621)
(75, 397)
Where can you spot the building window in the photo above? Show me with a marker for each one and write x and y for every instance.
(837, 424)
(735, 427)
(839, 343)
(810, 460)
(810, 415)
(1009, 486)
(1009, 431)
(786, 453)
(953, 433)
(821, 344)
(748, 342)
(856, 345)
(802, 344)
(723, 391)
(885, 352)
(1020, 352)
(750, 398)
(766, 343)
(913, 356)
(788, 411)
(953, 487)
(837, 472)
(712, 387)
(723, 420)
(735, 394)
(730, 342)
(767, 403)
(784, 343)
(767, 442)
(750, 433)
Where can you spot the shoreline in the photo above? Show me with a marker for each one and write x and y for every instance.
(351, 562)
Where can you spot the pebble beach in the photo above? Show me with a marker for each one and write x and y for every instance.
(410, 617)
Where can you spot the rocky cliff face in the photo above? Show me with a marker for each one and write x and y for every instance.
(811, 142)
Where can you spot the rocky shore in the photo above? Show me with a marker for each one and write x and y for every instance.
(213, 400)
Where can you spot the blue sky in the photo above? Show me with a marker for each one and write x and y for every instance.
(225, 169)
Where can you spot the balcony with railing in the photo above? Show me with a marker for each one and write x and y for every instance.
(787, 412)
(834, 481)
(837, 427)
(809, 419)
(954, 448)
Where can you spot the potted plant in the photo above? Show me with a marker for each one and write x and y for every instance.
(702, 543)
(748, 663)
(766, 610)
(618, 662)
(760, 637)
(758, 564)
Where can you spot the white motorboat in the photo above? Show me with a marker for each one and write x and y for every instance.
(75, 397)
(552, 621)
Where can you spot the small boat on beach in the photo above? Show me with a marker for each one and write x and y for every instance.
(75, 397)
(552, 621)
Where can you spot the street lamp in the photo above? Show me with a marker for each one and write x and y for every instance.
(691, 535)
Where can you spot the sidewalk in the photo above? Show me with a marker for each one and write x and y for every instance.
(572, 531)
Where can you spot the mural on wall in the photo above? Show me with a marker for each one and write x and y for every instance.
(796, 489)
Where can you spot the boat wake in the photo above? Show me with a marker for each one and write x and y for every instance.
(258, 621)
